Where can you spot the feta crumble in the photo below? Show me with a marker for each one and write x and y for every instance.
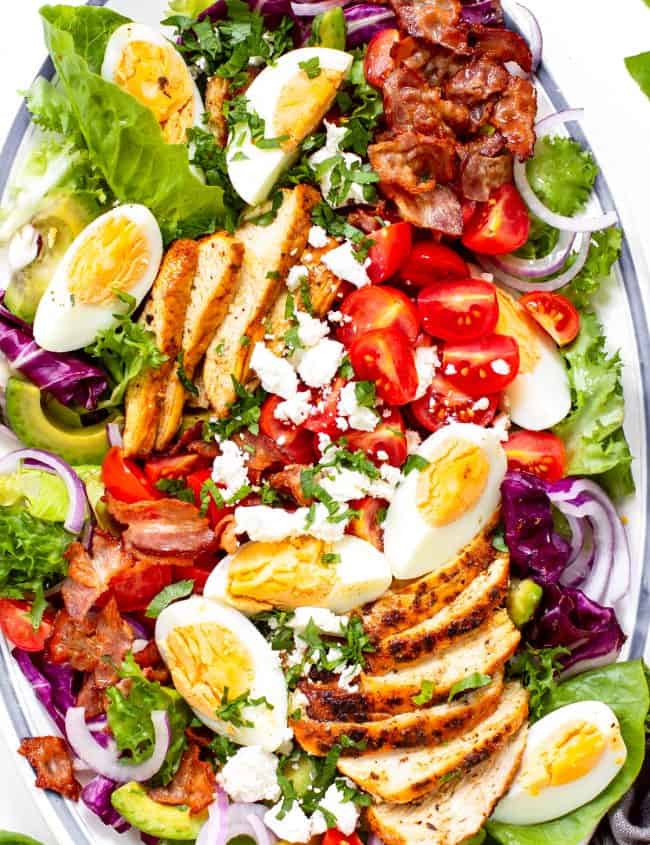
(346, 813)
(318, 237)
(251, 775)
(229, 470)
(344, 485)
(330, 152)
(295, 410)
(310, 330)
(294, 826)
(481, 404)
(450, 370)
(426, 364)
(359, 417)
(297, 275)
(413, 440)
(23, 248)
(343, 263)
(319, 365)
(276, 374)
(326, 621)
(500, 367)
(271, 525)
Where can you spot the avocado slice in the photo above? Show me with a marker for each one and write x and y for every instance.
(167, 822)
(37, 429)
(329, 29)
(523, 600)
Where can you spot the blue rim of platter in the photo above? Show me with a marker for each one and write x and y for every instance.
(61, 808)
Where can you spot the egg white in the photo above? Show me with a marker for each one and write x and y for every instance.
(62, 323)
(130, 32)
(361, 575)
(254, 171)
(521, 807)
(412, 546)
(269, 725)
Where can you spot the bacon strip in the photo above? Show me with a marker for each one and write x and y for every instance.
(193, 785)
(439, 210)
(514, 115)
(413, 162)
(435, 21)
(89, 576)
(50, 758)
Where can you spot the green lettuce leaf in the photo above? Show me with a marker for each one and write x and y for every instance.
(129, 718)
(639, 69)
(44, 494)
(623, 687)
(189, 8)
(123, 138)
(603, 254)
(592, 432)
(562, 174)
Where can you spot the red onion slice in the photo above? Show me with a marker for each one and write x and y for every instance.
(535, 37)
(215, 830)
(539, 267)
(514, 282)
(310, 10)
(105, 761)
(114, 435)
(76, 516)
(580, 223)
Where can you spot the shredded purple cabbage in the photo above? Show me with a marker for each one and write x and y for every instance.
(41, 685)
(96, 795)
(267, 8)
(364, 20)
(568, 618)
(61, 679)
(69, 379)
(483, 12)
(536, 549)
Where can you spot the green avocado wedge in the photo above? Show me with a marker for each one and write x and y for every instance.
(132, 802)
(36, 429)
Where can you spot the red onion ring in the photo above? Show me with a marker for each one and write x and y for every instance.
(535, 37)
(580, 223)
(9, 442)
(215, 830)
(490, 266)
(76, 515)
(105, 761)
(310, 10)
(114, 435)
(538, 268)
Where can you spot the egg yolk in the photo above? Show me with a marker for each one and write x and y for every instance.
(302, 104)
(452, 483)
(571, 756)
(284, 575)
(158, 78)
(114, 257)
(514, 321)
(203, 660)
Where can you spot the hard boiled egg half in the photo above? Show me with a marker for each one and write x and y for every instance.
(215, 656)
(143, 63)
(539, 397)
(571, 756)
(439, 509)
(292, 97)
(118, 253)
(300, 572)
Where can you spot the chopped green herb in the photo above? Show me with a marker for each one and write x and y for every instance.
(539, 671)
(311, 67)
(415, 462)
(169, 594)
(175, 488)
(244, 412)
(231, 711)
(426, 693)
(330, 558)
(366, 394)
(477, 680)
(183, 377)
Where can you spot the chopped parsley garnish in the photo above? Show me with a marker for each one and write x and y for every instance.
(538, 669)
(330, 559)
(474, 681)
(366, 394)
(336, 224)
(311, 67)
(223, 749)
(231, 711)
(183, 377)
(210, 158)
(499, 541)
(169, 594)
(274, 625)
(415, 462)
(244, 412)
(175, 488)
(425, 695)
(211, 493)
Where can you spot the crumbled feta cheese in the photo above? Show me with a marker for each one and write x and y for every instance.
(481, 404)
(385, 488)
(334, 655)
(382, 456)
(295, 410)
(294, 826)
(344, 485)
(229, 469)
(343, 263)
(426, 364)
(359, 417)
(310, 330)
(330, 152)
(413, 440)
(342, 424)
(23, 248)
(251, 775)
(347, 678)
(319, 364)
(450, 370)
(318, 237)
(322, 528)
(345, 812)
(276, 374)
(500, 367)
(326, 621)
(501, 427)
(297, 275)
(271, 525)
(324, 441)
(337, 317)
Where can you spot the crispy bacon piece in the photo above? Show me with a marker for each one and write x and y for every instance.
(288, 481)
(51, 760)
(89, 576)
(481, 174)
(477, 82)
(514, 116)
(163, 527)
(194, 784)
(413, 162)
(91, 697)
(264, 454)
(504, 45)
(439, 210)
(435, 21)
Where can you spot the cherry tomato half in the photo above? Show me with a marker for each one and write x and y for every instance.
(133, 590)
(554, 313)
(390, 250)
(379, 62)
(541, 453)
(125, 480)
(443, 403)
(463, 310)
(382, 307)
(483, 366)
(16, 625)
(327, 404)
(175, 466)
(500, 225)
(386, 357)
(335, 837)
(431, 262)
(296, 444)
(386, 444)
(195, 482)
(367, 524)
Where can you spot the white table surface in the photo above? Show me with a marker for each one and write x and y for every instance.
(585, 43)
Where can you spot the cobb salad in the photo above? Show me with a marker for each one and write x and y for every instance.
(313, 444)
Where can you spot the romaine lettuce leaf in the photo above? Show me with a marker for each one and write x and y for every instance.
(624, 688)
(592, 432)
(123, 138)
(639, 69)
(44, 494)
(190, 8)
